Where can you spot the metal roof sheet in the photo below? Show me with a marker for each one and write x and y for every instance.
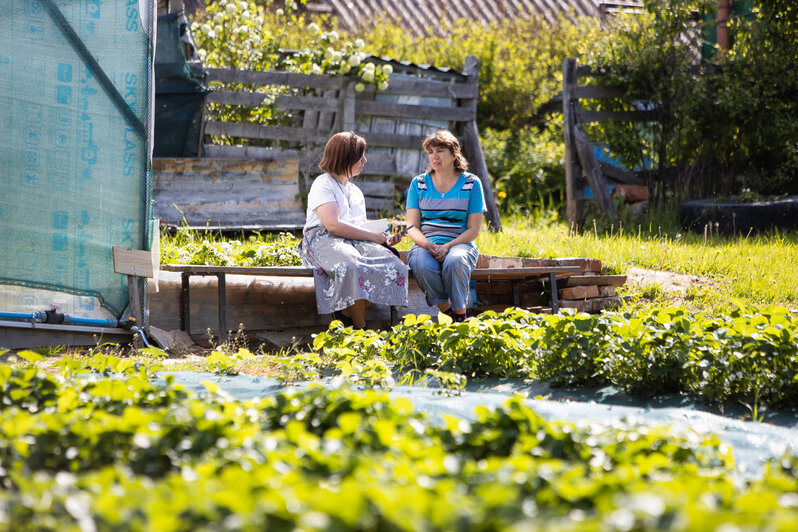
(424, 16)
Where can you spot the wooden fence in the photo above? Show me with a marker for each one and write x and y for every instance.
(394, 122)
(580, 158)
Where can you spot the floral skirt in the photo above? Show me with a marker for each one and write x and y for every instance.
(348, 270)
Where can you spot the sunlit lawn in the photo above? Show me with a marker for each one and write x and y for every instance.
(757, 269)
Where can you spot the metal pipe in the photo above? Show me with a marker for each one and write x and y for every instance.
(53, 317)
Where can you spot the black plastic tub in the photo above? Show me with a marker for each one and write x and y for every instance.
(739, 217)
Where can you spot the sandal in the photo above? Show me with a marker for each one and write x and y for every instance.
(456, 318)
(346, 320)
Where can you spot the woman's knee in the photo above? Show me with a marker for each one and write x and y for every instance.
(457, 264)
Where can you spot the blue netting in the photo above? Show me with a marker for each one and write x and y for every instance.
(74, 171)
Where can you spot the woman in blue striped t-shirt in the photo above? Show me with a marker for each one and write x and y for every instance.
(445, 206)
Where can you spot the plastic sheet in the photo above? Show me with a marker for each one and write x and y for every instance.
(752, 442)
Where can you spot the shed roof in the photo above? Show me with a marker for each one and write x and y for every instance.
(420, 15)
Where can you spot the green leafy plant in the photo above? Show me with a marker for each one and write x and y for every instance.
(81, 453)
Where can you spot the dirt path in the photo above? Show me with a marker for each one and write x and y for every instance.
(668, 281)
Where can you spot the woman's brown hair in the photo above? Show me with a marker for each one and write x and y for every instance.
(341, 153)
(443, 138)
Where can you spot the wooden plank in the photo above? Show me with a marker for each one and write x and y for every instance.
(347, 116)
(433, 89)
(379, 164)
(273, 271)
(482, 274)
(258, 131)
(392, 140)
(396, 86)
(592, 92)
(487, 274)
(227, 192)
(224, 97)
(283, 102)
(585, 117)
(254, 77)
(375, 188)
(133, 262)
(587, 159)
(473, 150)
(215, 151)
(314, 103)
(579, 292)
(620, 175)
(398, 110)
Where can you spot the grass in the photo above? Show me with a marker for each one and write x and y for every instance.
(757, 269)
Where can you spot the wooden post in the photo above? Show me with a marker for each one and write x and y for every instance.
(135, 264)
(348, 106)
(473, 148)
(572, 170)
(724, 14)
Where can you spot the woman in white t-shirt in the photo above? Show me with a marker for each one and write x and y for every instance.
(353, 267)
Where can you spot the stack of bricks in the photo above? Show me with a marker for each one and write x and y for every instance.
(587, 291)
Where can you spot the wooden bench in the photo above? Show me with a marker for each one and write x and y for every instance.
(514, 275)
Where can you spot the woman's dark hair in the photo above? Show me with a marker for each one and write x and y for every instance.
(341, 153)
(443, 138)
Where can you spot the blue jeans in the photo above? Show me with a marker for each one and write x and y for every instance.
(447, 281)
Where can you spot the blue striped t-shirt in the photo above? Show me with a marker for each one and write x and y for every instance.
(444, 215)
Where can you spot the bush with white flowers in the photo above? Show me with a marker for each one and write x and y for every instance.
(236, 34)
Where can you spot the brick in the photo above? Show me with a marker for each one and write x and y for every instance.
(582, 305)
(579, 292)
(592, 279)
(606, 291)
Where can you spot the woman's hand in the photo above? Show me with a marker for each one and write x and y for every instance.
(439, 252)
(394, 239)
(379, 237)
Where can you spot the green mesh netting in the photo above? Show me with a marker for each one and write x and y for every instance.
(74, 171)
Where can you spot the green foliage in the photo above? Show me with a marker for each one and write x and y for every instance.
(721, 129)
(527, 167)
(749, 355)
(79, 458)
(187, 246)
(226, 363)
(520, 60)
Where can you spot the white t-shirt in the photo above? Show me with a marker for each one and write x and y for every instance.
(349, 198)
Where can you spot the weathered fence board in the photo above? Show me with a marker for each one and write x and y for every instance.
(398, 110)
(254, 77)
(227, 192)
